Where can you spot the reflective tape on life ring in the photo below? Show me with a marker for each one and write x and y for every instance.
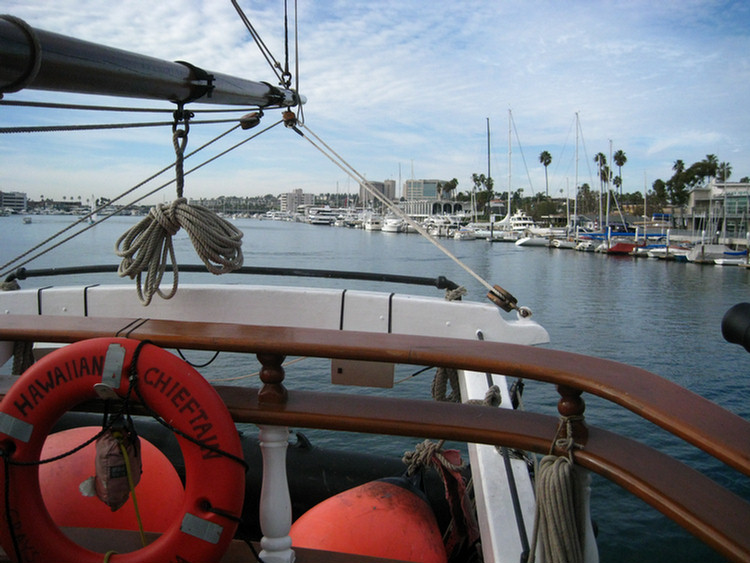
(172, 388)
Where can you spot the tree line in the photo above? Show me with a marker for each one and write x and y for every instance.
(672, 192)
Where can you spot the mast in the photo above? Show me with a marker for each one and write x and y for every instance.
(509, 167)
(575, 202)
(41, 60)
(645, 214)
(489, 175)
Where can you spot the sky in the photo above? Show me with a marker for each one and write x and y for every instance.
(406, 89)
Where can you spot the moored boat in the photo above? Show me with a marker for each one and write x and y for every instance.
(532, 240)
(393, 224)
(709, 254)
(372, 222)
(464, 233)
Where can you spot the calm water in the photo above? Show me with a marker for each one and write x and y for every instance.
(661, 316)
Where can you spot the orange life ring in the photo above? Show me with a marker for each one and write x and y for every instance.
(214, 483)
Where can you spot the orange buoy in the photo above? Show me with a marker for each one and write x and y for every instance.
(378, 519)
(159, 493)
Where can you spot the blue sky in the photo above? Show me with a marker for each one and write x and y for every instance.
(404, 88)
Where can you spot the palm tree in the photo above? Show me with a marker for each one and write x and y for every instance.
(712, 165)
(724, 172)
(620, 159)
(545, 158)
(449, 187)
(482, 181)
(617, 181)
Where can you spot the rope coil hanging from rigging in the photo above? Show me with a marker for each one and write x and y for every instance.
(147, 246)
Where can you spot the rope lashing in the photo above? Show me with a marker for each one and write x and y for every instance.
(146, 246)
(455, 294)
(463, 529)
(429, 453)
(492, 398)
(443, 376)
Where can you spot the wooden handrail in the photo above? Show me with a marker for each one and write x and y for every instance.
(698, 421)
(712, 513)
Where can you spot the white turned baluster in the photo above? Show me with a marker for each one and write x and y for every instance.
(275, 504)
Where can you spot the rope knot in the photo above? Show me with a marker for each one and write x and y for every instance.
(147, 245)
(492, 398)
(166, 215)
(455, 294)
(443, 376)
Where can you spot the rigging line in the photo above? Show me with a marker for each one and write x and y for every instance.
(129, 205)
(349, 170)
(103, 126)
(119, 197)
(300, 107)
(170, 111)
(286, 39)
(562, 151)
(273, 63)
(523, 158)
(586, 158)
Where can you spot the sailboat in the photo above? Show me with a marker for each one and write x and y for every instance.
(93, 347)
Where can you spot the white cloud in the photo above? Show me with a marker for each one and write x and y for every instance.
(391, 82)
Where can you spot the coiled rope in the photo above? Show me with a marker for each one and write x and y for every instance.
(147, 246)
(560, 519)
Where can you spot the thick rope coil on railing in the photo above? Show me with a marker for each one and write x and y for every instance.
(560, 519)
(147, 245)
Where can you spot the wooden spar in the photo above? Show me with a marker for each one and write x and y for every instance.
(72, 65)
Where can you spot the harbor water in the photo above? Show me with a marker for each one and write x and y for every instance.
(661, 316)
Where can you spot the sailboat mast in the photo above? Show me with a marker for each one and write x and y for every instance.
(509, 162)
(489, 173)
(575, 202)
(41, 60)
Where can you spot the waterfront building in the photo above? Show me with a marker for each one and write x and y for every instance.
(421, 189)
(721, 209)
(427, 207)
(290, 201)
(387, 189)
(14, 201)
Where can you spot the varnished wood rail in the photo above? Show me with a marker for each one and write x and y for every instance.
(709, 511)
(698, 421)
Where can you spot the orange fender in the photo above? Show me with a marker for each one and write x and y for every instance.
(378, 519)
